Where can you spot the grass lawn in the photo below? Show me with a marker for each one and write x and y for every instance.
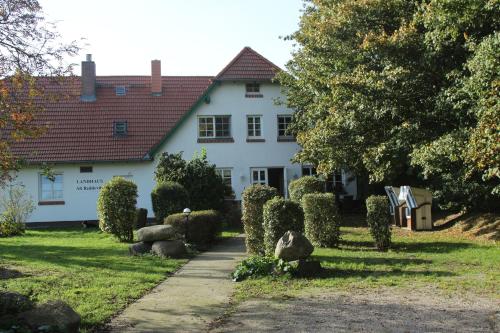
(440, 260)
(88, 269)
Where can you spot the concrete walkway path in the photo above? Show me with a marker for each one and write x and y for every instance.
(190, 299)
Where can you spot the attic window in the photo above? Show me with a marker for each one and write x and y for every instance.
(85, 169)
(120, 128)
(252, 90)
(120, 90)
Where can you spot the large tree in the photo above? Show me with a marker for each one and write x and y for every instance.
(30, 48)
(400, 92)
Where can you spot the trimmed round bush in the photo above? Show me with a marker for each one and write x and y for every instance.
(202, 227)
(304, 185)
(379, 220)
(168, 198)
(253, 199)
(280, 215)
(116, 208)
(321, 219)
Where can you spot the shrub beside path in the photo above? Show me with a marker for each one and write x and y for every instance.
(189, 300)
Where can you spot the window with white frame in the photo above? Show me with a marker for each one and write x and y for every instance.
(283, 125)
(225, 174)
(252, 88)
(254, 127)
(259, 176)
(51, 188)
(308, 170)
(214, 127)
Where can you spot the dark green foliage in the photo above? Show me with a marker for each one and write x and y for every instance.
(402, 92)
(280, 215)
(321, 219)
(116, 208)
(141, 218)
(202, 227)
(379, 221)
(304, 185)
(205, 187)
(253, 199)
(168, 198)
(260, 266)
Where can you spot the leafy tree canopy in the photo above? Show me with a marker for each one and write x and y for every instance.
(402, 92)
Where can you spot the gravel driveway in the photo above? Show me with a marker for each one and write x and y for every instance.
(387, 310)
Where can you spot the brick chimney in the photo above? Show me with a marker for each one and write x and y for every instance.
(156, 77)
(88, 80)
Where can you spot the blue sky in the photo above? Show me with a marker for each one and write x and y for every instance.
(190, 37)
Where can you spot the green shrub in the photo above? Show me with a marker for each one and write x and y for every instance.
(168, 198)
(321, 219)
(260, 266)
(141, 218)
(379, 220)
(253, 199)
(116, 208)
(304, 185)
(280, 215)
(15, 209)
(202, 227)
(205, 187)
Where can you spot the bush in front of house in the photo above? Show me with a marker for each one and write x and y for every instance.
(321, 219)
(116, 208)
(168, 198)
(280, 215)
(253, 199)
(15, 208)
(205, 187)
(202, 227)
(304, 185)
(379, 220)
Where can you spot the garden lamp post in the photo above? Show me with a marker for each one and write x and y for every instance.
(186, 213)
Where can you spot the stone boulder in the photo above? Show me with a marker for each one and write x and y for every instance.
(170, 248)
(157, 233)
(293, 246)
(55, 314)
(12, 303)
(306, 268)
(139, 248)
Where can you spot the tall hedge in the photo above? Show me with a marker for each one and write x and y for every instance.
(116, 208)
(304, 185)
(321, 219)
(202, 227)
(168, 198)
(253, 199)
(280, 215)
(379, 220)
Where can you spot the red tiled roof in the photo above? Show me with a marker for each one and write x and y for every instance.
(83, 131)
(248, 65)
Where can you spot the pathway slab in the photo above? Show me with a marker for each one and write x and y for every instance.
(189, 300)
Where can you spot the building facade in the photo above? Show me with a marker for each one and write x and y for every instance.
(118, 126)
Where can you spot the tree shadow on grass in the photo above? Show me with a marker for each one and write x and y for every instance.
(431, 247)
(9, 273)
(115, 259)
(373, 261)
(328, 273)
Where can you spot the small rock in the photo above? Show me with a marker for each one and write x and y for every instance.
(172, 249)
(157, 233)
(53, 314)
(139, 248)
(306, 268)
(293, 246)
(12, 303)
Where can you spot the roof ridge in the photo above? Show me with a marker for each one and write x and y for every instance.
(239, 55)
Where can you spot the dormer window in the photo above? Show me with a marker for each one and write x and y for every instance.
(252, 90)
(120, 90)
(120, 128)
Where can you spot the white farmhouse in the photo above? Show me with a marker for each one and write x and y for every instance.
(119, 125)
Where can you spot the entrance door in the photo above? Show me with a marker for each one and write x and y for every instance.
(276, 179)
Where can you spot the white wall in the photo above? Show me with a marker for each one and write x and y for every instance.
(229, 99)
